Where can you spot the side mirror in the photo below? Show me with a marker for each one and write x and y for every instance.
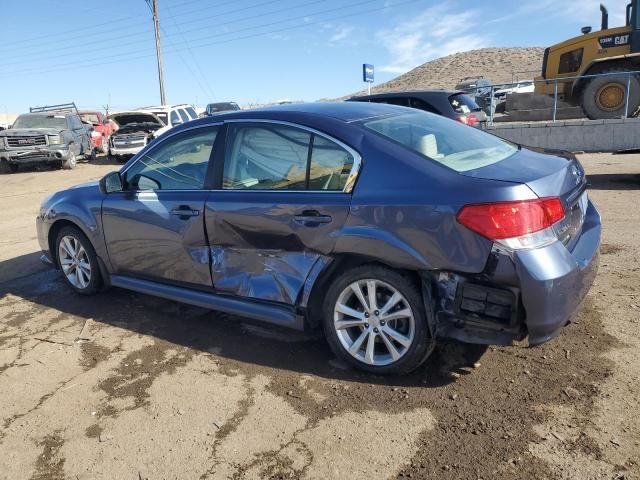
(111, 183)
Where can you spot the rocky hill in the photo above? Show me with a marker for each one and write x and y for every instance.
(500, 65)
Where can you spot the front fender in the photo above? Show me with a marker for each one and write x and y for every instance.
(81, 206)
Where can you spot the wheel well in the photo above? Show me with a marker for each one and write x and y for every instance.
(338, 266)
(53, 233)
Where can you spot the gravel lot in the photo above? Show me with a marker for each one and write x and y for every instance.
(126, 386)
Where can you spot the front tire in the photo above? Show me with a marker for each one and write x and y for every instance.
(78, 261)
(374, 319)
(71, 162)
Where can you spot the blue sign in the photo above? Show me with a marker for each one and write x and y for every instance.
(367, 73)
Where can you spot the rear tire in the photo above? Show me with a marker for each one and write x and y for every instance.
(605, 97)
(380, 339)
(78, 261)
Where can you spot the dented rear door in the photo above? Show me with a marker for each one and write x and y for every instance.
(278, 208)
(264, 244)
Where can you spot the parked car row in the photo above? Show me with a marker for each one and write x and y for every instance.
(60, 135)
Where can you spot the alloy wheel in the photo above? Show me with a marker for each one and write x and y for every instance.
(374, 322)
(74, 262)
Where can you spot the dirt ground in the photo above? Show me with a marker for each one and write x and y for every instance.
(127, 386)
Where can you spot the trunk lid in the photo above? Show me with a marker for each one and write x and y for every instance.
(549, 173)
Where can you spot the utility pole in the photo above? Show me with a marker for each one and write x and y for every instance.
(156, 26)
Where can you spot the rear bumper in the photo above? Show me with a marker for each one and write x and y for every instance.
(554, 280)
(530, 293)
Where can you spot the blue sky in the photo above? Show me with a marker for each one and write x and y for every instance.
(252, 51)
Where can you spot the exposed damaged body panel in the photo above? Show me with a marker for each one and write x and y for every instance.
(265, 249)
(274, 275)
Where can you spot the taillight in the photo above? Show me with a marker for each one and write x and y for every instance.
(511, 220)
(470, 120)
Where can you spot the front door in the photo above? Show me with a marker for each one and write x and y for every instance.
(280, 198)
(155, 228)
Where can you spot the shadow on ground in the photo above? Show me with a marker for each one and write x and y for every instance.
(224, 335)
(99, 160)
(614, 181)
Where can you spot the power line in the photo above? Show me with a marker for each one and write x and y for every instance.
(110, 47)
(139, 57)
(66, 37)
(156, 27)
(208, 92)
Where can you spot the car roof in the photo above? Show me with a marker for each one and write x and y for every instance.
(164, 108)
(412, 93)
(48, 114)
(344, 111)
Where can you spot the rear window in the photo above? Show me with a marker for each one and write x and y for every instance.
(462, 103)
(445, 141)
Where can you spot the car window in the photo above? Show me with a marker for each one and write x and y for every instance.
(177, 163)
(183, 115)
(162, 116)
(75, 122)
(40, 121)
(191, 112)
(450, 143)
(400, 101)
(266, 157)
(330, 165)
(462, 103)
(422, 105)
(175, 119)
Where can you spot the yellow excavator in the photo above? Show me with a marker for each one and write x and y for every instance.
(609, 50)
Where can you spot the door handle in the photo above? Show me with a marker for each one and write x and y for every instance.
(184, 212)
(311, 218)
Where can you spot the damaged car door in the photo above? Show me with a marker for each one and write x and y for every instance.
(154, 228)
(283, 195)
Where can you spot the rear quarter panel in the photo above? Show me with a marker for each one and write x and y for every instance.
(404, 206)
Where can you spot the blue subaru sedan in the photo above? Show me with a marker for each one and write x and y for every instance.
(385, 227)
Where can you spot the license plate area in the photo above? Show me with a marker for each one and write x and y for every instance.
(570, 228)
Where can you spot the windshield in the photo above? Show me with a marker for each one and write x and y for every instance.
(462, 103)
(450, 143)
(90, 118)
(41, 121)
(162, 116)
(222, 107)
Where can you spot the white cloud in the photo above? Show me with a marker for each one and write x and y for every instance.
(436, 32)
(340, 34)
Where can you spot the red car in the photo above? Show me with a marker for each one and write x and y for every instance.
(102, 129)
